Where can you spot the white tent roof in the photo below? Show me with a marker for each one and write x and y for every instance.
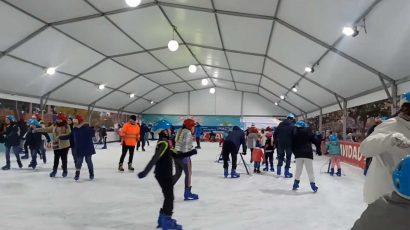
(257, 49)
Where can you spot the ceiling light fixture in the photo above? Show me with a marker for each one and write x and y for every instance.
(294, 89)
(51, 71)
(276, 103)
(132, 95)
(204, 82)
(133, 3)
(212, 90)
(282, 97)
(152, 102)
(101, 87)
(192, 68)
(172, 44)
(309, 69)
(350, 31)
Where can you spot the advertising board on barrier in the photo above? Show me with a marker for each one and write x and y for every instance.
(351, 154)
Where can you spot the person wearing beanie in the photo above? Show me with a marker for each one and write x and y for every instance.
(183, 145)
(83, 144)
(391, 211)
(162, 160)
(283, 139)
(130, 134)
(302, 140)
(34, 141)
(11, 141)
(388, 144)
(252, 139)
(61, 142)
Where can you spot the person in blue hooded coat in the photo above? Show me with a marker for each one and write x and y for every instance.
(198, 134)
(84, 147)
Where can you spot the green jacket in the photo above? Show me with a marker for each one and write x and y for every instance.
(333, 148)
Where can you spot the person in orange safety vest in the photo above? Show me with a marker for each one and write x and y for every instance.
(130, 134)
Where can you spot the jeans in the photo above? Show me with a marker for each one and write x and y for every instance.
(257, 165)
(126, 148)
(15, 151)
(34, 153)
(74, 153)
(179, 167)
(229, 148)
(88, 160)
(282, 148)
(60, 153)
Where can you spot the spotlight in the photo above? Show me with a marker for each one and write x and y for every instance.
(204, 82)
(132, 95)
(173, 45)
(152, 102)
(294, 89)
(282, 97)
(133, 3)
(276, 103)
(101, 87)
(192, 68)
(212, 90)
(350, 31)
(51, 71)
(309, 69)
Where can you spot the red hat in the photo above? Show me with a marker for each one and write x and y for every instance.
(268, 134)
(80, 118)
(62, 116)
(189, 123)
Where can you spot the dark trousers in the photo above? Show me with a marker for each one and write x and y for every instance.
(141, 143)
(269, 158)
(229, 148)
(74, 153)
(198, 142)
(15, 151)
(168, 190)
(126, 148)
(34, 153)
(105, 142)
(179, 167)
(60, 153)
(88, 160)
(257, 165)
(318, 146)
(282, 149)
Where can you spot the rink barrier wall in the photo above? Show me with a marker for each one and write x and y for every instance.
(350, 153)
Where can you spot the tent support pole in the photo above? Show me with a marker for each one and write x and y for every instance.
(394, 98)
(344, 119)
(321, 120)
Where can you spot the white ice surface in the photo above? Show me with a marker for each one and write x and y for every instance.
(33, 200)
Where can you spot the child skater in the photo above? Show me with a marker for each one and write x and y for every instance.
(162, 160)
(34, 141)
(302, 140)
(333, 148)
(183, 144)
(257, 157)
(269, 149)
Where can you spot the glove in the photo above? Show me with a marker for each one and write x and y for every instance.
(244, 153)
(142, 175)
(400, 141)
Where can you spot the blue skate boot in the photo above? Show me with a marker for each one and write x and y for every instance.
(234, 174)
(288, 174)
(279, 170)
(313, 186)
(226, 173)
(332, 171)
(188, 195)
(272, 168)
(295, 185)
(167, 223)
(339, 172)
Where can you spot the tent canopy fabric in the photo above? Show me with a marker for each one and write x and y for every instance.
(258, 47)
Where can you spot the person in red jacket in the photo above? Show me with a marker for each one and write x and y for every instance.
(130, 134)
(257, 157)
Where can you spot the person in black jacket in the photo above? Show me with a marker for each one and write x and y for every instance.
(231, 146)
(143, 134)
(12, 141)
(283, 138)
(34, 141)
(23, 127)
(302, 140)
(72, 144)
(104, 136)
(163, 162)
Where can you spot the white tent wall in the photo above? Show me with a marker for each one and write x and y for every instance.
(175, 105)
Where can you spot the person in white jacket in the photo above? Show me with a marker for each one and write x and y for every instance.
(388, 144)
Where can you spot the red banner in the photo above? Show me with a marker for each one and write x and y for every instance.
(351, 154)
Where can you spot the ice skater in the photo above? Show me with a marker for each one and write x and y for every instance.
(333, 148)
(61, 144)
(257, 157)
(130, 134)
(34, 141)
(84, 147)
(283, 139)
(269, 148)
(302, 140)
(12, 141)
(390, 211)
(183, 144)
(231, 146)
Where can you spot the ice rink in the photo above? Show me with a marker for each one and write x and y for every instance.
(32, 200)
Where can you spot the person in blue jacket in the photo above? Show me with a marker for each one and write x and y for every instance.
(231, 146)
(84, 146)
(12, 141)
(198, 134)
(283, 138)
(34, 141)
